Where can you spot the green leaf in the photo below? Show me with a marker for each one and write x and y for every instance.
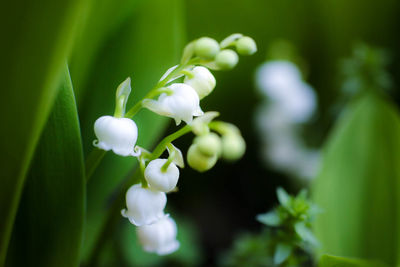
(282, 253)
(305, 233)
(105, 17)
(335, 261)
(302, 194)
(270, 218)
(358, 186)
(283, 197)
(36, 40)
(49, 224)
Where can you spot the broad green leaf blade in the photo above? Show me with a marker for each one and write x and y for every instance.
(143, 48)
(334, 261)
(49, 224)
(358, 187)
(36, 39)
(104, 18)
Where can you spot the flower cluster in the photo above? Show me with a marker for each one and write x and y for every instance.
(177, 95)
(291, 103)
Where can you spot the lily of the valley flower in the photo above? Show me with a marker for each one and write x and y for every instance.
(181, 104)
(144, 205)
(201, 80)
(116, 134)
(159, 179)
(159, 237)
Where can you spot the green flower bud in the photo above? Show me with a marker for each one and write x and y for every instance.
(233, 146)
(246, 46)
(226, 59)
(209, 144)
(206, 47)
(199, 161)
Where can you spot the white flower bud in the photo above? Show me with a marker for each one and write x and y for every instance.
(182, 104)
(206, 47)
(226, 59)
(200, 161)
(202, 81)
(158, 179)
(144, 205)
(116, 134)
(209, 144)
(159, 237)
(233, 146)
(246, 46)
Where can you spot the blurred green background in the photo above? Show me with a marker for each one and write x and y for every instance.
(106, 41)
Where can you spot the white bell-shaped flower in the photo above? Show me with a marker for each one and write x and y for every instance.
(159, 237)
(144, 205)
(202, 81)
(182, 104)
(159, 179)
(116, 134)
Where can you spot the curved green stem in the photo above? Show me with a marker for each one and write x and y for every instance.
(168, 139)
(170, 159)
(142, 165)
(223, 127)
(153, 93)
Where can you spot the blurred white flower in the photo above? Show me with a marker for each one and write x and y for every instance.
(182, 104)
(158, 179)
(301, 104)
(281, 82)
(290, 103)
(116, 134)
(159, 237)
(309, 163)
(273, 77)
(144, 205)
(202, 81)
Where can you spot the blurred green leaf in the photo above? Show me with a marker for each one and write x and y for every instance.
(270, 218)
(334, 261)
(282, 253)
(36, 39)
(104, 18)
(283, 197)
(305, 233)
(358, 186)
(143, 48)
(49, 222)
